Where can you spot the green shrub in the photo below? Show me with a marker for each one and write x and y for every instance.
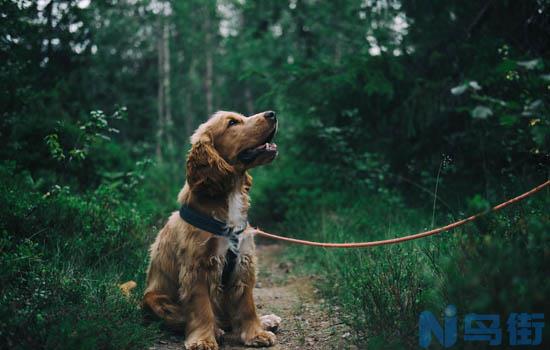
(498, 265)
(63, 255)
(501, 265)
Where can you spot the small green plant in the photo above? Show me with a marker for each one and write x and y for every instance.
(96, 128)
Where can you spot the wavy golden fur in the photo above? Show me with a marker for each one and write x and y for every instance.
(184, 277)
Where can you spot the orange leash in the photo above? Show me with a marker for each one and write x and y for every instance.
(405, 238)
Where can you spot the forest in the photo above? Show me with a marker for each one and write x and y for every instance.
(395, 116)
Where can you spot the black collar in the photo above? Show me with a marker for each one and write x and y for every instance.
(217, 228)
(205, 223)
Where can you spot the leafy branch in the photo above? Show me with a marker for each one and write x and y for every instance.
(95, 129)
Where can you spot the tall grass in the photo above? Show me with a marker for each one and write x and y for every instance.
(498, 265)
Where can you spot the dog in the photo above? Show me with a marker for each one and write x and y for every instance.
(202, 266)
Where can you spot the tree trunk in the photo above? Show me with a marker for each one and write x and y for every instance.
(189, 111)
(209, 74)
(160, 97)
(164, 121)
(49, 16)
(168, 121)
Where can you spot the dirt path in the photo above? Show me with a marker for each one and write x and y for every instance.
(306, 323)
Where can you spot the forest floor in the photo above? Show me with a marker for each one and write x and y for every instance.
(307, 323)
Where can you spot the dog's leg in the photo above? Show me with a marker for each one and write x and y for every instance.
(245, 318)
(201, 325)
(164, 308)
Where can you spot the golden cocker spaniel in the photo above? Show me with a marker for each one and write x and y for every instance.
(202, 264)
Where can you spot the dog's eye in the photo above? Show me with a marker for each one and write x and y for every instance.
(232, 122)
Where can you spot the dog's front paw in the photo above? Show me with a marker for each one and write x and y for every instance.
(270, 322)
(203, 344)
(261, 338)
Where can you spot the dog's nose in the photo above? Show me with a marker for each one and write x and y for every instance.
(270, 115)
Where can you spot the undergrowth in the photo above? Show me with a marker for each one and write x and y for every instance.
(73, 226)
(498, 265)
(63, 254)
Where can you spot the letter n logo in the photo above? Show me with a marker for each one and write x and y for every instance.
(429, 325)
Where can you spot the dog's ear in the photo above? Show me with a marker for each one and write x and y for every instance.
(207, 171)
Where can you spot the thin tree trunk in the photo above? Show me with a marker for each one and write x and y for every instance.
(305, 36)
(189, 115)
(49, 11)
(209, 74)
(160, 97)
(168, 121)
(184, 92)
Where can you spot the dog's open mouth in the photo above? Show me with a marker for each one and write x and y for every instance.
(264, 149)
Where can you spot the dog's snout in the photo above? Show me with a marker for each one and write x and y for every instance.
(270, 115)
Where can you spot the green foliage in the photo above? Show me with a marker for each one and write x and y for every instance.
(60, 305)
(524, 118)
(494, 267)
(63, 255)
(91, 132)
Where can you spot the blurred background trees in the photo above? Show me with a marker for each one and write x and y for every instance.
(409, 82)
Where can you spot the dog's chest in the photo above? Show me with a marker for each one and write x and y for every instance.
(236, 210)
(237, 205)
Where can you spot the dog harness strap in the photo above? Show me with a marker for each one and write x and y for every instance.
(230, 260)
(217, 228)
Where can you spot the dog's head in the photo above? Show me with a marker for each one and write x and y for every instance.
(228, 144)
